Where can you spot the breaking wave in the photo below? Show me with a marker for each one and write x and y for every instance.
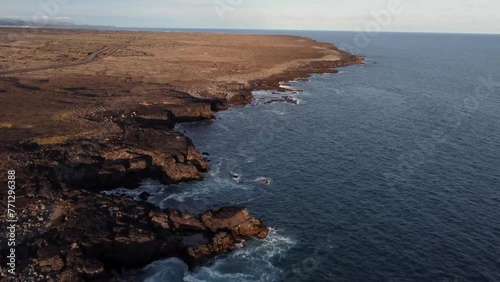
(254, 262)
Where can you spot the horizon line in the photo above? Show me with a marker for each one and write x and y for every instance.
(322, 30)
(112, 27)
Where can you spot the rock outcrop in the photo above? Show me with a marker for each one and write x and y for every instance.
(88, 236)
(123, 160)
(303, 72)
(71, 232)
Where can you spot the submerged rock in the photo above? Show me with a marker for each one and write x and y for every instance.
(144, 196)
(263, 180)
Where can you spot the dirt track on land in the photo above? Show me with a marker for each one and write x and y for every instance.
(106, 51)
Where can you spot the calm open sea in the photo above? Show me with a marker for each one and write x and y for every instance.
(389, 171)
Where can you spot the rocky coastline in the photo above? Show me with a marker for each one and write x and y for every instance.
(68, 230)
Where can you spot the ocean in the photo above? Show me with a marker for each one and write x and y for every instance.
(387, 171)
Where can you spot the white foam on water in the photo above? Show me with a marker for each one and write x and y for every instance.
(287, 86)
(254, 262)
(215, 171)
(298, 101)
(262, 93)
(336, 91)
(197, 193)
(171, 270)
(148, 185)
(220, 181)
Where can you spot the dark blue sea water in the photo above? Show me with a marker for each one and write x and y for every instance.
(389, 171)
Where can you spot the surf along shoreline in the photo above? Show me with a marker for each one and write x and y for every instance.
(67, 228)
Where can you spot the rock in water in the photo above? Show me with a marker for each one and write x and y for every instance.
(263, 180)
(144, 196)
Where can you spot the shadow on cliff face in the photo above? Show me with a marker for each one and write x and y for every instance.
(70, 232)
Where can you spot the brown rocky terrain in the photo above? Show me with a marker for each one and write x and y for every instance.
(88, 111)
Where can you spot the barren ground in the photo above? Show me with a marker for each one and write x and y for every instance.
(83, 71)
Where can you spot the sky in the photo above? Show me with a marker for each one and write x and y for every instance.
(461, 16)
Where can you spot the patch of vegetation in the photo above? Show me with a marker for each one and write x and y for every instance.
(51, 140)
(59, 139)
(6, 125)
(62, 116)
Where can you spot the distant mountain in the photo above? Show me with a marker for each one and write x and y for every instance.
(18, 22)
(50, 24)
(11, 22)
